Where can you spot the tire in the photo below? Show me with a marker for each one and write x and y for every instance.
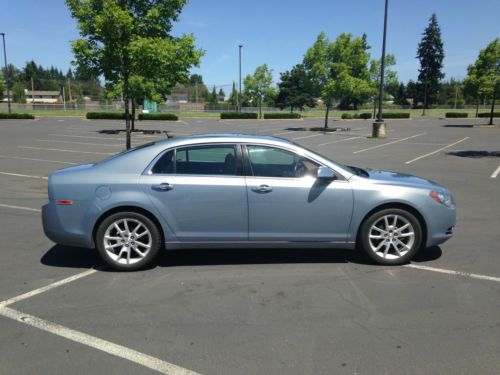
(391, 236)
(128, 241)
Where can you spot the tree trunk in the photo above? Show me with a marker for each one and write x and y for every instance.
(127, 114)
(328, 104)
(132, 118)
(492, 106)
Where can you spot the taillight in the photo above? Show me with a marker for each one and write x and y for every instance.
(64, 202)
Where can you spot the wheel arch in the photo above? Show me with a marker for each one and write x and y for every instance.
(403, 206)
(127, 208)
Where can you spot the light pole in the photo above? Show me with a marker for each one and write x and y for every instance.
(239, 93)
(379, 125)
(7, 78)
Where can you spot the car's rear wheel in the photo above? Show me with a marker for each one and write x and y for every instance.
(391, 236)
(128, 241)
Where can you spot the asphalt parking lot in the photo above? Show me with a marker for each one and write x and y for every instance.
(259, 311)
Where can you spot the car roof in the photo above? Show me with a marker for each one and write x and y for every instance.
(228, 137)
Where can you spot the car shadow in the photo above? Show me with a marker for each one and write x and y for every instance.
(74, 257)
(475, 154)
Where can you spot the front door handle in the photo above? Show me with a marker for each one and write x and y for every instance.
(164, 186)
(262, 189)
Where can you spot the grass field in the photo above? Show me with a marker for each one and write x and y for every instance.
(334, 114)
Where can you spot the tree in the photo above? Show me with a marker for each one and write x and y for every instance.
(233, 98)
(484, 75)
(125, 38)
(258, 86)
(221, 94)
(339, 70)
(430, 54)
(212, 97)
(295, 90)
(18, 95)
(391, 82)
(400, 95)
(3, 85)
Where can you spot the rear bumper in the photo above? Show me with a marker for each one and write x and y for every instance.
(57, 226)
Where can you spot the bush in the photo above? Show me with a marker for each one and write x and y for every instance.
(282, 115)
(347, 116)
(158, 116)
(456, 114)
(487, 114)
(365, 115)
(238, 115)
(105, 116)
(18, 116)
(396, 115)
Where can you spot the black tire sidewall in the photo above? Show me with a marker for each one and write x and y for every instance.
(365, 230)
(147, 260)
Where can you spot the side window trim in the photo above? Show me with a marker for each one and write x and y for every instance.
(248, 165)
(238, 155)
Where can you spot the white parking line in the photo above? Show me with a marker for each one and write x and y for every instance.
(340, 140)
(34, 159)
(24, 175)
(266, 130)
(108, 347)
(120, 351)
(495, 173)
(307, 136)
(436, 151)
(46, 288)
(88, 136)
(388, 143)
(288, 132)
(20, 208)
(455, 273)
(61, 150)
(79, 143)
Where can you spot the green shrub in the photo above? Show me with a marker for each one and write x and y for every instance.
(487, 114)
(105, 116)
(238, 115)
(158, 116)
(17, 116)
(456, 114)
(282, 115)
(396, 115)
(347, 116)
(365, 115)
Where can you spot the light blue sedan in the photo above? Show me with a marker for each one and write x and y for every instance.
(236, 191)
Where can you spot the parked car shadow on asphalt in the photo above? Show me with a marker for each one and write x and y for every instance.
(74, 257)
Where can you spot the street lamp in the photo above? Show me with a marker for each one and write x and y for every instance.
(239, 93)
(379, 125)
(7, 77)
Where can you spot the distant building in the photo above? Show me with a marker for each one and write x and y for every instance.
(177, 98)
(46, 97)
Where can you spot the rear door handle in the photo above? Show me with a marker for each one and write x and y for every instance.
(164, 186)
(262, 189)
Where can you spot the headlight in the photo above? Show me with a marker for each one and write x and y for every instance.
(443, 197)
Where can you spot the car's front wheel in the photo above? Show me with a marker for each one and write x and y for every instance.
(128, 241)
(391, 236)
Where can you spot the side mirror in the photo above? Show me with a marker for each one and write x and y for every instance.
(325, 173)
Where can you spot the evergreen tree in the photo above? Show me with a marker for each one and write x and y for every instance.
(295, 89)
(233, 98)
(400, 96)
(430, 54)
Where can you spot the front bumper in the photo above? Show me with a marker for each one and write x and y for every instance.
(441, 225)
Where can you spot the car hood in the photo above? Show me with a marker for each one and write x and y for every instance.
(399, 178)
